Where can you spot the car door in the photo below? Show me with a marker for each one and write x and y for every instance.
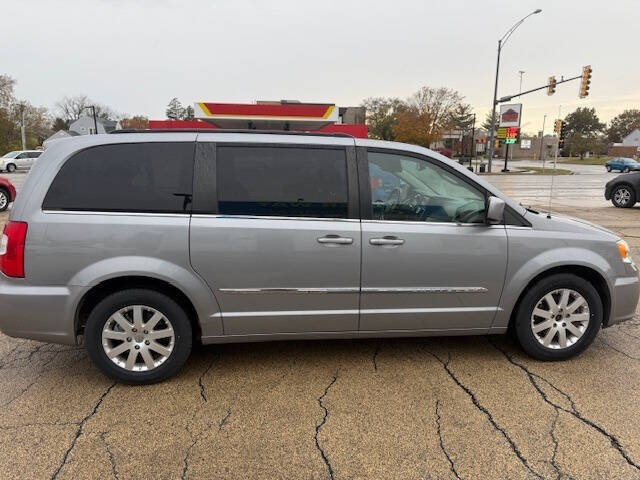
(276, 234)
(33, 157)
(22, 160)
(429, 260)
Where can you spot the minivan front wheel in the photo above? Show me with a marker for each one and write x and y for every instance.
(559, 317)
(138, 336)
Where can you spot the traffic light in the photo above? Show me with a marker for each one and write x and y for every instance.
(557, 126)
(585, 82)
(551, 87)
(563, 134)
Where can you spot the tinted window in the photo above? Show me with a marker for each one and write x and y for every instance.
(412, 189)
(142, 177)
(282, 181)
(34, 154)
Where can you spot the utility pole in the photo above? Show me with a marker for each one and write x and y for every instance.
(521, 72)
(542, 141)
(23, 128)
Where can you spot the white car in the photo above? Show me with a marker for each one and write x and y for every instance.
(19, 159)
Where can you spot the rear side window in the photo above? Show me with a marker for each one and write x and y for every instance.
(282, 181)
(34, 154)
(136, 177)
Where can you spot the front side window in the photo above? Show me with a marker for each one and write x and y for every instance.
(412, 189)
(135, 177)
(22, 155)
(282, 181)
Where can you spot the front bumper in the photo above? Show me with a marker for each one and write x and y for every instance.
(626, 291)
(37, 313)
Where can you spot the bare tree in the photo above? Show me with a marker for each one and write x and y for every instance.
(6, 91)
(74, 107)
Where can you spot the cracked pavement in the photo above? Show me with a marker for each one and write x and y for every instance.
(424, 408)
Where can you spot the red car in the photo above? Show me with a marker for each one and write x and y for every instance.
(7, 193)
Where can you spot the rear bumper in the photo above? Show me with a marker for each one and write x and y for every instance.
(38, 313)
(625, 299)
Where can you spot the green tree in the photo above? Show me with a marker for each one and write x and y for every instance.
(59, 124)
(427, 115)
(623, 124)
(578, 144)
(381, 116)
(462, 117)
(584, 121)
(175, 110)
(487, 122)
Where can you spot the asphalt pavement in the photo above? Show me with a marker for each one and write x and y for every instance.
(435, 408)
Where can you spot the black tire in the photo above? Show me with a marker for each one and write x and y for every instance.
(11, 168)
(622, 203)
(523, 328)
(4, 200)
(608, 168)
(150, 298)
(626, 170)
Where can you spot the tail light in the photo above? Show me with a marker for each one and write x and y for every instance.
(12, 249)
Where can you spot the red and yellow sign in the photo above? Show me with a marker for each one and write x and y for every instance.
(264, 111)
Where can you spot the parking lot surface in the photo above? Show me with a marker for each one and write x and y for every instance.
(434, 408)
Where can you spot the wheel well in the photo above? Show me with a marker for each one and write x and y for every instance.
(592, 276)
(102, 290)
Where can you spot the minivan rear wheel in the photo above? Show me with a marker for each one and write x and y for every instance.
(138, 336)
(559, 317)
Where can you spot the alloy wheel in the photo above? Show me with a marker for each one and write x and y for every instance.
(4, 201)
(560, 318)
(138, 338)
(622, 196)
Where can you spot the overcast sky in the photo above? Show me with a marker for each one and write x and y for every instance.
(135, 55)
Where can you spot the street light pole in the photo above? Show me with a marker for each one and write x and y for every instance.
(95, 121)
(501, 44)
(521, 72)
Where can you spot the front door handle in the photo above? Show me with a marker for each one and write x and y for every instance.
(386, 241)
(335, 240)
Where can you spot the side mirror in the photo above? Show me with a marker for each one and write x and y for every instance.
(495, 210)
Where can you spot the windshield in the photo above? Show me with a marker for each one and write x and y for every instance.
(11, 154)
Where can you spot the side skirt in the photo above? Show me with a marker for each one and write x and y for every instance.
(275, 337)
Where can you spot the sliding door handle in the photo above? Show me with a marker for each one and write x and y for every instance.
(335, 240)
(386, 241)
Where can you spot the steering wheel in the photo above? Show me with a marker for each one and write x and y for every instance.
(463, 215)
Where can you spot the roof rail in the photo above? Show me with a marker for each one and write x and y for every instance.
(229, 130)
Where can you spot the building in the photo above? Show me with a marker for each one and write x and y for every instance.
(86, 126)
(633, 139)
(285, 115)
(83, 126)
(629, 147)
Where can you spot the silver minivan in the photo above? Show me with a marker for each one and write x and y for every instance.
(139, 244)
